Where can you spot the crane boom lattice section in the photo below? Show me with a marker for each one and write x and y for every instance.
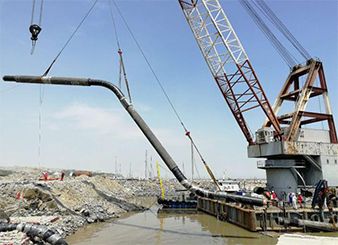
(228, 61)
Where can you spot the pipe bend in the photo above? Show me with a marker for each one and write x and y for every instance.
(165, 156)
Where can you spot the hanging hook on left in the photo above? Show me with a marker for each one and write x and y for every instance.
(35, 29)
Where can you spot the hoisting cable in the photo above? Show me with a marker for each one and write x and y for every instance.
(117, 42)
(187, 133)
(283, 52)
(268, 12)
(122, 69)
(69, 39)
(41, 95)
(35, 29)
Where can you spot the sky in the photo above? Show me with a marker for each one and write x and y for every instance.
(87, 128)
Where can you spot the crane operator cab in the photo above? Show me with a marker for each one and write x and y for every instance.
(264, 135)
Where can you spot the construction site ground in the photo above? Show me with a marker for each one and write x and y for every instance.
(72, 203)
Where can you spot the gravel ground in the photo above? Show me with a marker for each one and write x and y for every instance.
(67, 205)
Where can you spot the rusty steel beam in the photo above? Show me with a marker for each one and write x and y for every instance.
(293, 96)
(302, 102)
(301, 95)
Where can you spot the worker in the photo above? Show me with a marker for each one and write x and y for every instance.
(267, 195)
(62, 175)
(290, 199)
(294, 200)
(45, 176)
(300, 200)
(274, 196)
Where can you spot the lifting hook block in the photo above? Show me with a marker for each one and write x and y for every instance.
(34, 30)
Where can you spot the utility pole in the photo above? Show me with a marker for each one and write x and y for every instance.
(146, 166)
(151, 168)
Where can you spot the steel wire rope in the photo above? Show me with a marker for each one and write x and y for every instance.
(270, 14)
(114, 25)
(69, 39)
(117, 40)
(35, 28)
(33, 10)
(164, 92)
(41, 96)
(122, 69)
(41, 10)
(41, 89)
(283, 52)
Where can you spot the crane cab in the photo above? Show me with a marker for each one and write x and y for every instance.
(264, 135)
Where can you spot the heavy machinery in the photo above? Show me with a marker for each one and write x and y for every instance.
(295, 156)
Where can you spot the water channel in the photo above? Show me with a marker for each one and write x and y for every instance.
(151, 227)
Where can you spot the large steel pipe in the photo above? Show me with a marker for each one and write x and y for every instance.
(308, 224)
(167, 159)
(33, 230)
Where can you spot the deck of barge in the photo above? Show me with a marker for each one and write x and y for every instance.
(258, 219)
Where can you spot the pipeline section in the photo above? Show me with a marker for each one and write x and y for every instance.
(35, 231)
(167, 159)
(307, 224)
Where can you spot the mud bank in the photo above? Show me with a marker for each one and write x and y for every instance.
(65, 206)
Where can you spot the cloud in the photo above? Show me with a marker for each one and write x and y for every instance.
(98, 120)
(108, 122)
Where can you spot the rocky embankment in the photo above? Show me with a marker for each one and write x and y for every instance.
(64, 206)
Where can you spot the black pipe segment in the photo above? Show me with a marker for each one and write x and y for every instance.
(167, 159)
(309, 224)
(33, 230)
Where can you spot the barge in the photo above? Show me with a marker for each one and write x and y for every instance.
(263, 218)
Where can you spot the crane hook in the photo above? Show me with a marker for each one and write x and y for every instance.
(34, 30)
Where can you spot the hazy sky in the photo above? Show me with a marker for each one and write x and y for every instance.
(87, 128)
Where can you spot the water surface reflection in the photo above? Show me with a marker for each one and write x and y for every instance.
(151, 227)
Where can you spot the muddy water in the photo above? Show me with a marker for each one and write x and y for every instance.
(151, 227)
